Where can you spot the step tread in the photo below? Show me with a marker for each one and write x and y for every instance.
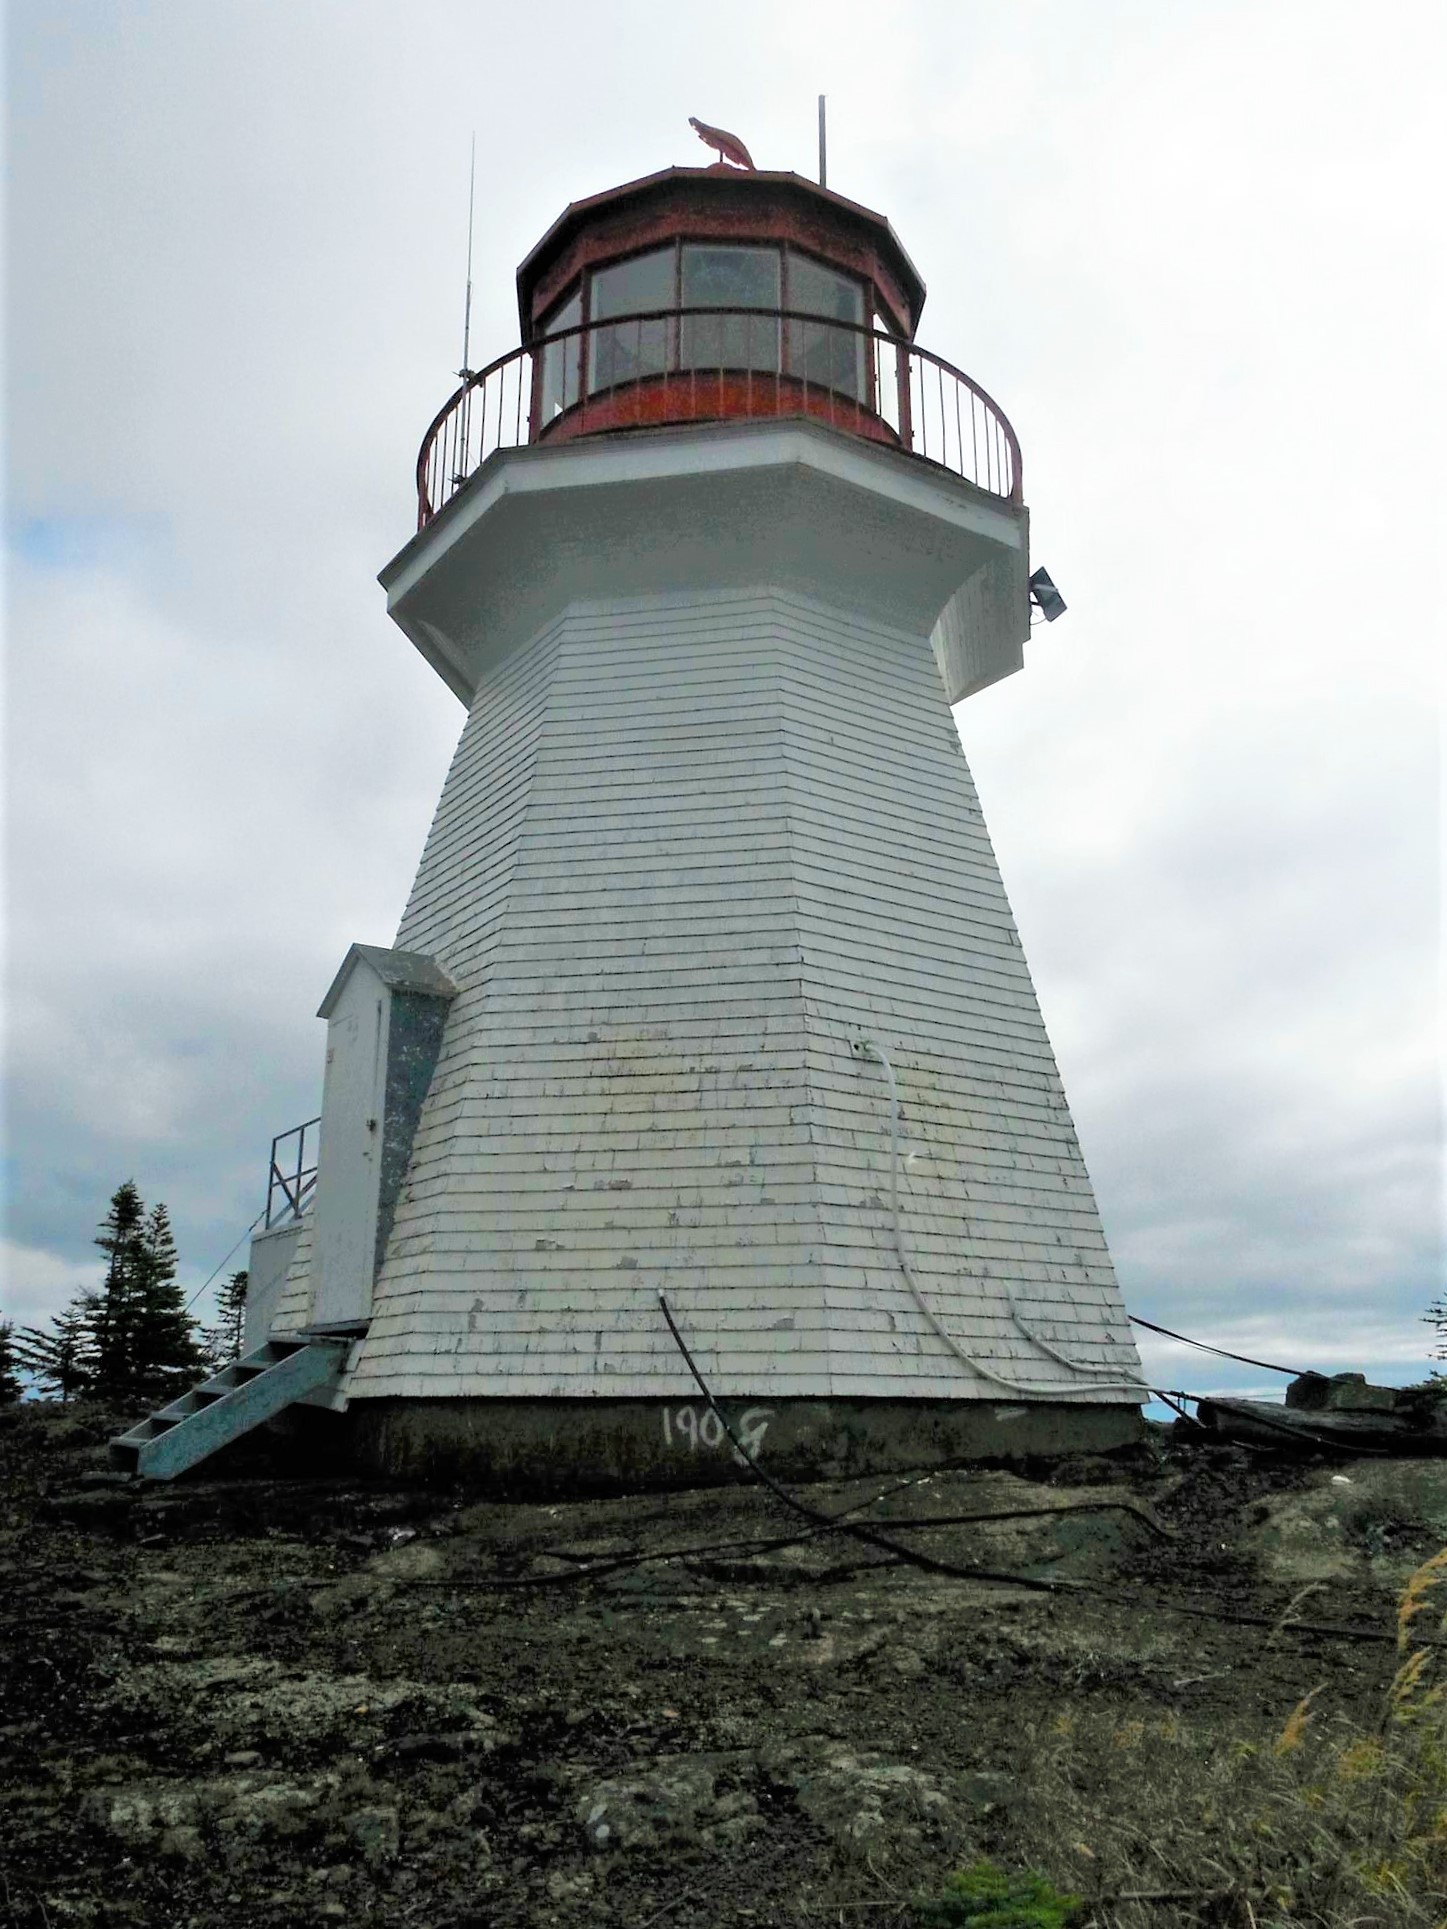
(295, 1368)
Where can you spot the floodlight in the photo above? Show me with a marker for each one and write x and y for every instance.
(1046, 597)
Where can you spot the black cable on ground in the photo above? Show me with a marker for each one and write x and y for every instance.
(770, 1544)
(948, 1568)
(838, 1523)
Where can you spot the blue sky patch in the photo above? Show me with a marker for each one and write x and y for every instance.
(84, 542)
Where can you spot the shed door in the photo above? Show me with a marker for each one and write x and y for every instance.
(349, 1162)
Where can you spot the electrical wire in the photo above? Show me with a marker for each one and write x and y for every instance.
(857, 1528)
(928, 1562)
(870, 1047)
(231, 1255)
(1293, 1372)
(587, 1564)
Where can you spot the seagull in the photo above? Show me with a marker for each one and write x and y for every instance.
(729, 146)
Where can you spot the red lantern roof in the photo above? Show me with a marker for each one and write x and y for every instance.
(721, 205)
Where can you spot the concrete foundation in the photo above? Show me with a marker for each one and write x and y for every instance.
(575, 1447)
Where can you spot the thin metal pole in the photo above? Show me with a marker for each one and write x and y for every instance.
(823, 148)
(466, 368)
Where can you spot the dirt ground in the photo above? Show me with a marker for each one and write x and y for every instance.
(271, 1700)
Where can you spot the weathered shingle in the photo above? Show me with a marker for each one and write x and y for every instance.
(674, 871)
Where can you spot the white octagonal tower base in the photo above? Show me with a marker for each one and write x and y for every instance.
(709, 824)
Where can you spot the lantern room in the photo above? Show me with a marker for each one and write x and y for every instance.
(713, 294)
(704, 293)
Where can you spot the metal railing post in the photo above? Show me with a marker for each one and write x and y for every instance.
(450, 454)
(295, 1185)
(906, 415)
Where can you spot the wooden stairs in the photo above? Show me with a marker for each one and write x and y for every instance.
(241, 1396)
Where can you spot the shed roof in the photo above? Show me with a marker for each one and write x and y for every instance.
(398, 970)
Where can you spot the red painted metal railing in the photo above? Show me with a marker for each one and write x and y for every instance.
(717, 364)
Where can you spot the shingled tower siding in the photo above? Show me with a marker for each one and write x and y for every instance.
(689, 847)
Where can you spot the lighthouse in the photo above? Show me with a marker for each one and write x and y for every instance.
(706, 1023)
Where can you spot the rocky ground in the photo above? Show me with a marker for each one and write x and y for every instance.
(271, 1700)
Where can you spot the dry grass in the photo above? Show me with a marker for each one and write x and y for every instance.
(1320, 1821)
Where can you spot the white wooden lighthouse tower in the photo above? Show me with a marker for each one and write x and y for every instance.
(708, 987)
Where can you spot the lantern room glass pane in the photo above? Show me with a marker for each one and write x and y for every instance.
(560, 361)
(633, 348)
(831, 357)
(730, 278)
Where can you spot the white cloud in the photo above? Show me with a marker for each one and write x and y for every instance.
(35, 1282)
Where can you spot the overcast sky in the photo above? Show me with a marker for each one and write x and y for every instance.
(1191, 248)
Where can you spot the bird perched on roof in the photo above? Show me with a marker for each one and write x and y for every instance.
(729, 146)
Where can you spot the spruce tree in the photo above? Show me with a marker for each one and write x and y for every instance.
(9, 1378)
(233, 1310)
(168, 1357)
(130, 1340)
(111, 1316)
(222, 1342)
(59, 1361)
(138, 1341)
(1436, 1316)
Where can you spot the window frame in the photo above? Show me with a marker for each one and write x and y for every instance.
(734, 318)
(873, 310)
(863, 393)
(591, 343)
(568, 377)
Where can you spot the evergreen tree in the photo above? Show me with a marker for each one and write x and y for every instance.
(233, 1310)
(222, 1342)
(130, 1340)
(111, 1317)
(167, 1353)
(58, 1361)
(137, 1341)
(9, 1378)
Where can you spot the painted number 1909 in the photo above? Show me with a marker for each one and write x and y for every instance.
(699, 1430)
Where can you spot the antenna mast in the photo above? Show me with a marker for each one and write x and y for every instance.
(466, 370)
(823, 151)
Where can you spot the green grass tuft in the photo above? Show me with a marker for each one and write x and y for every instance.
(986, 1897)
